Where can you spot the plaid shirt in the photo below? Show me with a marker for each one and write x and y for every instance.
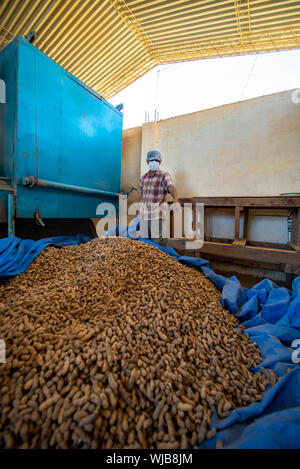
(154, 190)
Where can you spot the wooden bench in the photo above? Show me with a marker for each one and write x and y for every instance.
(286, 256)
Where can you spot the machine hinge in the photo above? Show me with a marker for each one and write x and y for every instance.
(38, 218)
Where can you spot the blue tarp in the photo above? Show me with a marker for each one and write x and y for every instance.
(17, 254)
(271, 315)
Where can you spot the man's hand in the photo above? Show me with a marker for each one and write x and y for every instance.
(176, 204)
(176, 207)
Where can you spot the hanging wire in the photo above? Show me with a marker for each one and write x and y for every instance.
(249, 76)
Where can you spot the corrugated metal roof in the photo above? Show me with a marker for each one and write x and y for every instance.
(110, 43)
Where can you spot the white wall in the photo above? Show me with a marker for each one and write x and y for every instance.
(249, 148)
(246, 148)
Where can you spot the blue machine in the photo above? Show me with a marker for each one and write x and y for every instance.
(60, 141)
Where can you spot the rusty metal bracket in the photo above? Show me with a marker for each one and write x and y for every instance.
(38, 218)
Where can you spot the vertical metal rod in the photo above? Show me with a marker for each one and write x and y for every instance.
(11, 215)
(35, 113)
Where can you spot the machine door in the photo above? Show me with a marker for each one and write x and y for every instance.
(71, 136)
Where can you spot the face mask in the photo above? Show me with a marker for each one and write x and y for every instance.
(153, 165)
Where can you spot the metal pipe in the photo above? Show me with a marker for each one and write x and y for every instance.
(11, 215)
(31, 181)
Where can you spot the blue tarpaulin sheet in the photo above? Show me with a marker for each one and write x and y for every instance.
(17, 254)
(271, 315)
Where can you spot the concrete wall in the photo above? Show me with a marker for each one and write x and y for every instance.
(246, 148)
(131, 158)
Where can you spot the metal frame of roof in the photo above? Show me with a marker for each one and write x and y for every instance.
(108, 44)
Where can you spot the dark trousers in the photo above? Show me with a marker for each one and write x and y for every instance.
(151, 229)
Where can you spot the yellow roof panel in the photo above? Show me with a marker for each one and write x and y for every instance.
(110, 43)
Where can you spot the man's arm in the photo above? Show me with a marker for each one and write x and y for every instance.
(139, 197)
(173, 192)
(140, 191)
(169, 186)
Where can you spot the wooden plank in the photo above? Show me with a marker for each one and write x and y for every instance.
(244, 262)
(253, 253)
(239, 242)
(184, 200)
(237, 217)
(297, 229)
(254, 202)
(292, 269)
(276, 256)
(260, 244)
(270, 212)
(295, 247)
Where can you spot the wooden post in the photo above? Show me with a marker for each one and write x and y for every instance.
(171, 224)
(237, 216)
(295, 238)
(237, 240)
(292, 269)
(194, 224)
(246, 219)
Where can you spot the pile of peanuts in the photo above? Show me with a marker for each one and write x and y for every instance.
(115, 344)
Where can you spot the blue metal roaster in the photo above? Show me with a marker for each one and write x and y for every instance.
(60, 141)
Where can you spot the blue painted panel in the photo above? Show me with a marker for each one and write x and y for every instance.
(61, 205)
(65, 132)
(92, 157)
(26, 123)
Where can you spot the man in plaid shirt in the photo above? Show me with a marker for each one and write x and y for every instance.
(153, 188)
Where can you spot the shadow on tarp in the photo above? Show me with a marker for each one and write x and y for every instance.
(17, 254)
(271, 315)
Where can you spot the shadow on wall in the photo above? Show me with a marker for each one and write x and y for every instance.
(181, 181)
